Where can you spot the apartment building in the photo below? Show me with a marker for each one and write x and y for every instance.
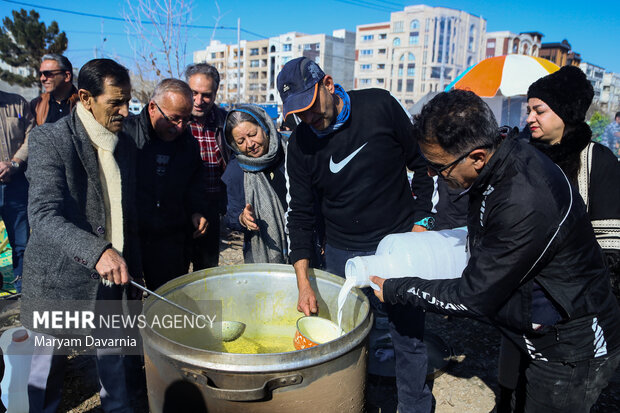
(506, 42)
(262, 60)
(229, 61)
(257, 69)
(595, 75)
(610, 94)
(420, 50)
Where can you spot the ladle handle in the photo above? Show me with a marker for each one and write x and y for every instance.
(180, 307)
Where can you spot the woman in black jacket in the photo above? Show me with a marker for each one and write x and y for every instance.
(557, 106)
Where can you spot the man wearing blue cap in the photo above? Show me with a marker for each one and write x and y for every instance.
(350, 154)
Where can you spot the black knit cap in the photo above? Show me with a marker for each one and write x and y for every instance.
(567, 92)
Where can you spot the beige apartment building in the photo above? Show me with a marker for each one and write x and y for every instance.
(262, 60)
(230, 62)
(420, 50)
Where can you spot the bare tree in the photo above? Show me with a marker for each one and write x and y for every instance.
(157, 32)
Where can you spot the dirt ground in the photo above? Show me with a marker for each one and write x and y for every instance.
(468, 384)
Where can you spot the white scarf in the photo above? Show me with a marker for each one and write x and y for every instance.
(104, 142)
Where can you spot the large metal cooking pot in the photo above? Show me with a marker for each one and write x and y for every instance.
(326, 378)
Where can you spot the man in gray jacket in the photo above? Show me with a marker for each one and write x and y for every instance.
(83, 218)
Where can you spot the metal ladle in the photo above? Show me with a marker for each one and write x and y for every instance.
(231, 330)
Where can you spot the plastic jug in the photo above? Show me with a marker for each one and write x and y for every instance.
(431, 255)
(17, 347)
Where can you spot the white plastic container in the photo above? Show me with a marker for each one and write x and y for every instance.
(431, 255)
(17, 348)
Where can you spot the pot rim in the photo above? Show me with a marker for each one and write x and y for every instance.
(265, 362)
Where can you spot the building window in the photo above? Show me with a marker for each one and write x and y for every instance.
(381, 81)
(366, 52)
(435, 72)
(381, 51)
(365, 82)
(382, 36)
(399, 85)
(422, 88)
(287, 47)
(212, 55)
(411, 57)
(400, 70)
(491, 43)
(396, 41)
(414, 38)
(254, 63)
(415, 24)
(254, 52)
(426, 40)
(470, 61)
(317, 46)
(381, 66)
(424, 57)
(411, 70)
(398, 27)
(365, 67)
(307, 46)
(472, 36)
(368, 38)
(409, 85)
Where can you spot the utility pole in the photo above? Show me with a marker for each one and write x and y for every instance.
(238, 60)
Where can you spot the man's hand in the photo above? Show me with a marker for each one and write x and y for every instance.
(306, 302)
(6, 171)
(112, 267)
(418, 228)
(379, 281)
(248, 219)
(200, 223)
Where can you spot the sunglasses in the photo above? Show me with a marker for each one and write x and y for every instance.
(51, 73)
(176, 122)
(438, 168)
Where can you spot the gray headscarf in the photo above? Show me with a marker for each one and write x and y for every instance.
(269, 243)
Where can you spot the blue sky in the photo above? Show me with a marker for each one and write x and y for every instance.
(590, 26)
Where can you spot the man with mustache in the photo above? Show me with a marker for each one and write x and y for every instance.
(56, 75)
(172, 198)
(82, 212)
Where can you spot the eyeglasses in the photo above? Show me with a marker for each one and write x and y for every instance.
(438, 168)
(176, 122)
(51, 73)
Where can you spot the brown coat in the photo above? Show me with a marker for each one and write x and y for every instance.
(40, 106)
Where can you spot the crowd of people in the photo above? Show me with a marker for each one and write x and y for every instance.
(93, 197)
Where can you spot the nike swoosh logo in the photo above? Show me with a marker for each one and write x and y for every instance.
(337, 167)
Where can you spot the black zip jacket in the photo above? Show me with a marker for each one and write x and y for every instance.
(171, 178)
(527, 225)
(359, 175)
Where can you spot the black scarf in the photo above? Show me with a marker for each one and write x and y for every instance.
(566, 154)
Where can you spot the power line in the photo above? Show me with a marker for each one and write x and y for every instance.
(367, 5)
(119, 19)
(392, 3)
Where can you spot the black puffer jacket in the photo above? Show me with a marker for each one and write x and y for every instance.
(601, 177)
(168, 192)
(527, 225)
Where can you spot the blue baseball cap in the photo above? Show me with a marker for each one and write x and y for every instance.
(298, 84)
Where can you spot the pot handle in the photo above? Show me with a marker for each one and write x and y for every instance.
(241, 395)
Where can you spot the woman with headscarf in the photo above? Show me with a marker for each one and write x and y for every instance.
(256, 184)
(557, 106)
